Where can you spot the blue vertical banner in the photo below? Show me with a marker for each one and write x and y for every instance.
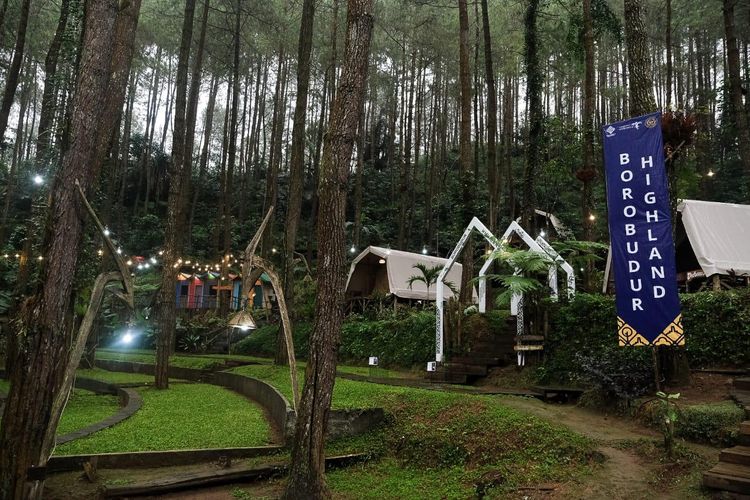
(640, 229)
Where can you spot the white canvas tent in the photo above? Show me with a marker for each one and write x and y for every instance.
(384, 270)
(719, 235)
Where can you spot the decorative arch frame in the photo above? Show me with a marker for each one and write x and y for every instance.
(539, 245)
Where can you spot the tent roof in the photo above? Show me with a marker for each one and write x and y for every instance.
(719, 234)
(400, 267)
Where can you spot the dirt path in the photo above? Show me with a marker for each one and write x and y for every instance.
(623, 474)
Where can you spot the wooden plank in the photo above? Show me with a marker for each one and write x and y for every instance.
(736, 455)
(528, 348)
(215, 477)
(530, 338)
(734, 470)
(718, 481)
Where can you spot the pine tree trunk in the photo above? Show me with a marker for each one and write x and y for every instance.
(735, 85)
(43, 338)
(534, 81)
(297, 161)
(11, 78)
(465, 150)
(173, 228)
(639, 84)
(47, 114)
(306, 478)
(493, 173)
(587, 174)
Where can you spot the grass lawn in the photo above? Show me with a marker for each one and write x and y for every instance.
(346, 393)
(448, 445)
(185, 416)
(115, 377)
(85, 408)
(196, 361)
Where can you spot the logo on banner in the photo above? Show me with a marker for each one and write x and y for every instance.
(648, 305)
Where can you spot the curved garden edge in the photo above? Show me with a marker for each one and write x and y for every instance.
(130, 402)
(341, 423)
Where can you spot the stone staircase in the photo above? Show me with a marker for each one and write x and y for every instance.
(486, 353)
(732, 473)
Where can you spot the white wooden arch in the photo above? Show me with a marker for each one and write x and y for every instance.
(477, 225)
(539, 245)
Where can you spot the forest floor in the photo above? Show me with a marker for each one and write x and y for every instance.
(631, 466)
(626, 459)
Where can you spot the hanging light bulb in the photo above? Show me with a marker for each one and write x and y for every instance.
(592, 217)
(424, 250)
(542, 233)
(353, 249)
(710, 173)
(106, 231)
(38, 180)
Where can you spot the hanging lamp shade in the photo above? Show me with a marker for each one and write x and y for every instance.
(243, 320)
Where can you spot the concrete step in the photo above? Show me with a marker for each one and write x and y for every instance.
(530, 338)
(450, 378)
(478, 359)
(736, 455)
(467, 369)
(745, 428)
(742, 383)
(728, 477)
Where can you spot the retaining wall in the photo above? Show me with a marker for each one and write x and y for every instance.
(340, 422)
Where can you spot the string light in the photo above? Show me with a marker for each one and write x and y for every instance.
(100, 252)
(542, 233)
(38, 180)
(710, 173)
(424, 250)
(106, 231)
(592, 217)
(40, 258)
(119, 251)
(353, 249)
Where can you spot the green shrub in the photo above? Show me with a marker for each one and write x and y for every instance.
(582, 345)
(262, 342)
(582, 348)
(717, 328)
(405, 340)
(714, 423)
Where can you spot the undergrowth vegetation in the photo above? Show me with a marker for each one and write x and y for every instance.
(582, 344)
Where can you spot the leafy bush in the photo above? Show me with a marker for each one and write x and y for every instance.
(262, 342)
(714, 423)
(582, 346)
(717, 328)
(402, 340)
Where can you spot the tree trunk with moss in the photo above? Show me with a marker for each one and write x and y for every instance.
(306, 478)
(44, 326)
